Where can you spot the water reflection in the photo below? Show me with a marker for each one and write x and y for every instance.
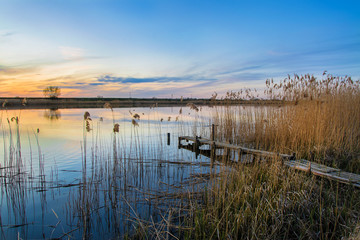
(52, 114)
(94, 172)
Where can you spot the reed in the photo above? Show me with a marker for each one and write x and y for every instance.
(271, 202)
(316, 119)
(129, 190)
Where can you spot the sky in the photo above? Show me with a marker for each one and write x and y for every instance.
(171, 48)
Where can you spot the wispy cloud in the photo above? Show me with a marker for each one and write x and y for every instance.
(72, 53)
(96, 84)
(4, 34)
(12, 71)
(339, 56)
(240, 70)
(113, 79)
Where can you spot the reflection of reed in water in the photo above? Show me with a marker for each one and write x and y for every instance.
(52, 114)
(122, 188)
(18, 182)
(125, 191)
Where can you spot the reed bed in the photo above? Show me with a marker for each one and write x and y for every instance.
(317, 120)
(132, 185)
(268, 201)
(130, 191)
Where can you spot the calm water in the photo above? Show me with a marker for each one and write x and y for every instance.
(63, 177)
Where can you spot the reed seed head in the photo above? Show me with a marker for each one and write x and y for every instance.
(116, 128)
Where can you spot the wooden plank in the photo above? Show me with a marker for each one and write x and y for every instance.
(322, 168)
(193, 139)
(324, 171)
(312, 165)
(235, 147)
(302, 166)
(338, 176)
(350, 177)
(251, 151)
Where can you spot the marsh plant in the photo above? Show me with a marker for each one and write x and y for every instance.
(315, 119)
(132, 185)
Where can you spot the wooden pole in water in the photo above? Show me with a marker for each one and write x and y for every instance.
(168, 139)
(213, 147)
(197, 145)
(213, 132)
(239, 155)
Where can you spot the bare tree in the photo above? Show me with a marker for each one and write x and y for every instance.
(52, 92)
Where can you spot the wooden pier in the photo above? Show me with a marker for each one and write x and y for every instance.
(229, 152)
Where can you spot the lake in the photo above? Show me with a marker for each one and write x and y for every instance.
(63, 176)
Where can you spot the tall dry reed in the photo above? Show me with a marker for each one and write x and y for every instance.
(316, 119)
(268, 201)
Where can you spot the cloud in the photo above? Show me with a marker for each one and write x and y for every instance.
(4, 34)
(96, 84)
(112, 79)
(71, 53)
(194, 85)
(72, 86)
(12, 71)
(241, 70)
(339, 56)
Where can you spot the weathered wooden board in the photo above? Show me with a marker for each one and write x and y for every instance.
(305, 164)
(351, 177)
(218, 144)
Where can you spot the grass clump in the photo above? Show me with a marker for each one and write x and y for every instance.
(324, 124)
(318, 119)
(272, 202)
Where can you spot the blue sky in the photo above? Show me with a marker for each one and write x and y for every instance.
(161, 48)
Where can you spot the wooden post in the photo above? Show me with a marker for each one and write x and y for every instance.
(197, 146)
(213, 152)
(225, 155)
(239, 155)
(168, 139)
(213, 132)
(194, 144)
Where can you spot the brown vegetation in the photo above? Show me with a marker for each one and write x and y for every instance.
(267, 201)
(321, 124)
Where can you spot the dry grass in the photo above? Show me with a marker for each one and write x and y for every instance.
(271, 202)
(320, 121)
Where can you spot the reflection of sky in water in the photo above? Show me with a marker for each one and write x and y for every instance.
(143, 153)
(60, 139)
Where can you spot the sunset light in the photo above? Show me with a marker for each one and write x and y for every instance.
(164, 48)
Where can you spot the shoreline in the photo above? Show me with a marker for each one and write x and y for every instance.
(59, 103)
